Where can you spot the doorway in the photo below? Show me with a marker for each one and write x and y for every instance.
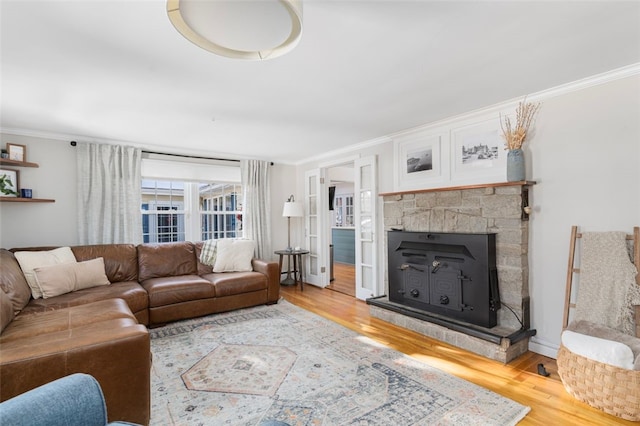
(341, 229)
(364, 224)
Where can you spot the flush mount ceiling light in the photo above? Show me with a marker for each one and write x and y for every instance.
(251, 29)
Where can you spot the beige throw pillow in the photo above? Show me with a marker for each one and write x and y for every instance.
(65, 278)
(234, 255)
(29, 260)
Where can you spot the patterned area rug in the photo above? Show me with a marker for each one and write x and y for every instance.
(283, 363)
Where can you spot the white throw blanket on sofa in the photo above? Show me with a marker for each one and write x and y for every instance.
(607, 288)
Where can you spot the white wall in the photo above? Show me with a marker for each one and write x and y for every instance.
(585, 157)
(586, 160)
(283, 185)
(42, 224)
(54, 224)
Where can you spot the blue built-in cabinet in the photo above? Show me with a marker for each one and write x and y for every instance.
(344, 245)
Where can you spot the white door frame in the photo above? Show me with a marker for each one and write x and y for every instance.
(316, 204)
(372, 268)
(365, 202)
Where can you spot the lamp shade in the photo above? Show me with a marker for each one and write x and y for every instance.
(293, 209)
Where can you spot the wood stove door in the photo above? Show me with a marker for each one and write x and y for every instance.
(446, 286)
(415, 282)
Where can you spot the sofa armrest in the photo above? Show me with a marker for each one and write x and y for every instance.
(272, 271)
(115, 352)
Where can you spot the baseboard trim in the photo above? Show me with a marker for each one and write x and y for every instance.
(543, 348)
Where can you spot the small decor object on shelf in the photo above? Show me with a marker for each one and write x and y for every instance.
(514, 136)
(8, 183)
(26, 193)
(17, 152)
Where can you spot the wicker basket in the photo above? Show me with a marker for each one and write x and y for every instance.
(611, 389)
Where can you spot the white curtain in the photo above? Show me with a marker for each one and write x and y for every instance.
(109, 194)
(256, 206)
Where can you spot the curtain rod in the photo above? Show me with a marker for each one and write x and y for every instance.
(74, 143)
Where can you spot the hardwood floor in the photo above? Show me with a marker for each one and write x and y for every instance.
(550, 404)
(344, 279)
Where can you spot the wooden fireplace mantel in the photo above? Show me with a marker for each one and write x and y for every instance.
(456, 188)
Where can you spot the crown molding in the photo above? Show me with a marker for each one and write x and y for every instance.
(598, 79)
(349, 150)
(585, 83)
(145, 147)
(470, 116)
(574, 86)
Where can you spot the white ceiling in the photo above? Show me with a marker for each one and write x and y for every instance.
(118, 71)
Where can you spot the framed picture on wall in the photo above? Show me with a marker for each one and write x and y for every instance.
(17, 152)
(478, 154)
(9, 183)
(417, 161)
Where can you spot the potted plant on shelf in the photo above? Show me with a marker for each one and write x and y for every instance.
(6, 185)
(515, 135)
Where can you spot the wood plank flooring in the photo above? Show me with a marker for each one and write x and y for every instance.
(550, 404)
(344, 279)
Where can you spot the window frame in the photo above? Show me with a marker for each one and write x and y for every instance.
(190, 211)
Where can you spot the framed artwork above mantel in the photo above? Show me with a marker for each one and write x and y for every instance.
(464, 152)
(418, 161)
(477, 153)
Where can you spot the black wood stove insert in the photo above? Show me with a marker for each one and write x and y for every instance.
(449, 274)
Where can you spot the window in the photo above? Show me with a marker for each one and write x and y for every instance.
(162, 211)
(343, 210)
(220, 211)
(167, 208)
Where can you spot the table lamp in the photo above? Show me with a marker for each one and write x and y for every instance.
(291, 209)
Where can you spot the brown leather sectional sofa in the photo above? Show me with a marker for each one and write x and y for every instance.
(101, 330)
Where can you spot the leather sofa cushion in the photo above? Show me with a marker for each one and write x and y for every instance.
(13, 282)
(6, 310)
(132, 292)
(166, 260)
(170, 290)
(37, 324)
(232, 283)
(116, 352)
(60, 341)
(120, 260)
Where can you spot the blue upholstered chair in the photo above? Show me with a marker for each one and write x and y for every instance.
(74, 400)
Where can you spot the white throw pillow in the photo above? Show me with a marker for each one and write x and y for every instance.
(601, 350)
(234, 255)
(67, 277)
(29, 260)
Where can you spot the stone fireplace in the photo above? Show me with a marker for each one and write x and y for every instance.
(499, 209)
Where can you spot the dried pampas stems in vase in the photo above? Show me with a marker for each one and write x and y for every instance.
(515, 136)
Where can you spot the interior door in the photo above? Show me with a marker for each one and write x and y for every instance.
(366, 238)
(316, 205)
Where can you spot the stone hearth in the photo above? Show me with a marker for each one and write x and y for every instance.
(493, 208)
